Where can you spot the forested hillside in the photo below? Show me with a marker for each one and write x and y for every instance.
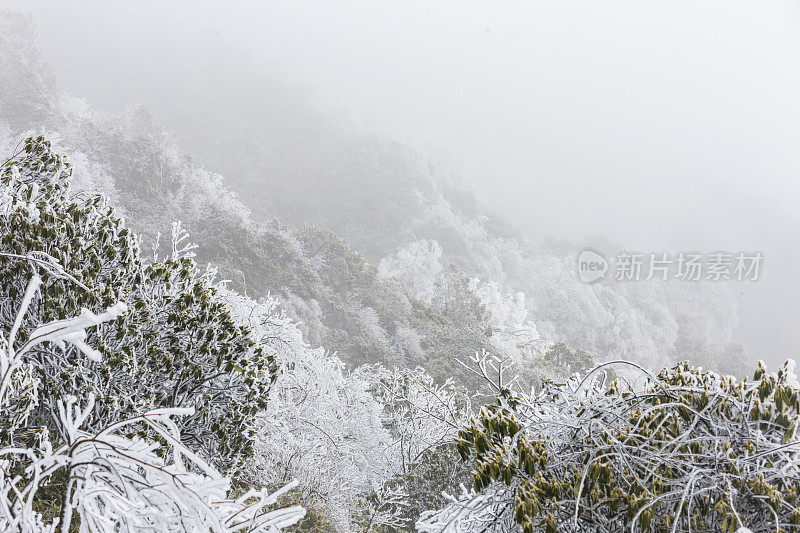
(322, 331)
(363, 240)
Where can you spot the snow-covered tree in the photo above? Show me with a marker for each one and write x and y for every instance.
(177, 346)
(420, 413)
(356, 440)
(109, 480)
(27, 86)
(322, 425)
(423, 418)
(685, 450)
(417, 265)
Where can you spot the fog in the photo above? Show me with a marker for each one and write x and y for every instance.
(665, 126)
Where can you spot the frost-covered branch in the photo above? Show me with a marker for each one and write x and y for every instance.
(687, 449)
(115, 482)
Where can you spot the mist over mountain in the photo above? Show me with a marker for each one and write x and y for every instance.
(245, 101)
(320, 243)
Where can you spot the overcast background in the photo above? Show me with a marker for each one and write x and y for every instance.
(667, 126)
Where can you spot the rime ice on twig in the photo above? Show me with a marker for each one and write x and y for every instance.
(114, 482)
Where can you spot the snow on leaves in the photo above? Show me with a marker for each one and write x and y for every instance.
(687, 449)
(114, 482)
